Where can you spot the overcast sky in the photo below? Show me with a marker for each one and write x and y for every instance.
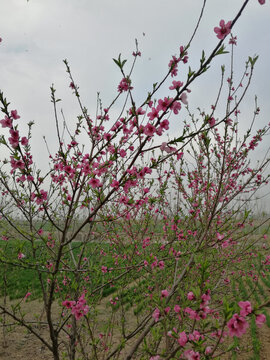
(37, 35)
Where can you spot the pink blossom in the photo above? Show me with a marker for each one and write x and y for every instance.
(43, 194)
(14, 114)
(229, 121)
(68, 304)
(149, 129)
(138, 53)
(140, 111)
(165, 124)
(220, 236)
(21, 256)
(180, 155)
(157, 357)
(191, 355)
(80, 309)
(164, 104)
(153, 114)
(164, 147)
(122, 153)
(176, 85)
(167, 310)
(177, 308)
(161, 264)
(261, 2)
(6, 122)
(27, 295)
(183, 54)
(41, 197)
(14, 133)
(24, 141)
(192, 313)
(183, 98)
(195, 336)
(233, 40)
(245, 308)
(173, 65)
(104, 269)
(94, 182)
(16, 164)
(124, 85)
(156, 314)
(225, 244)
(176, 107)
(223, 30)
(164, 293)
(208, 350)
(107, 136)
(14, 139)
(206, 298)
(260, 319)
(159, 130)
(212, 122)
(115, 184)
(190, 296)
(183, 339)
(114, 301)
(237, 325)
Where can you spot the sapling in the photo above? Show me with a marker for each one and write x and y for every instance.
(129, 211)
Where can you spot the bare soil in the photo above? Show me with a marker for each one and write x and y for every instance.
(19, 344)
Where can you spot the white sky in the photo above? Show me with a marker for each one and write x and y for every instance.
(37, 35)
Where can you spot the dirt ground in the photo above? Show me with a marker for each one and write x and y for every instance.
(21, 345)
(264, 336)
(246, 352)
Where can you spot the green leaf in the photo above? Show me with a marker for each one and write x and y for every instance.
(117, 62)
(120, 63)
(253, 60)
(175, 141)
(2, 140)
(190, 72)
(203, 57)
(231, 347)
(206, 140)
(221, 51)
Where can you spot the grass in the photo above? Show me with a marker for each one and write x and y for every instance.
(19, 283)
(255, 340)
(21, 277)
(256, 292)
